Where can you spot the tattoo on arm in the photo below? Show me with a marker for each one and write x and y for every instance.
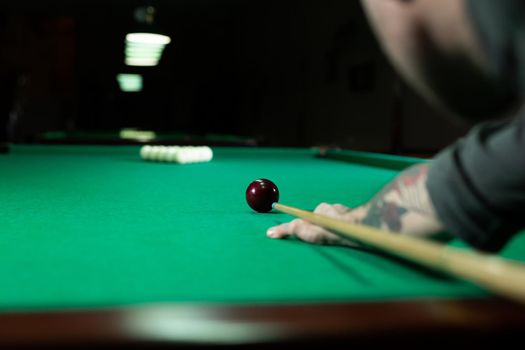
(383, 213)
(405, 194)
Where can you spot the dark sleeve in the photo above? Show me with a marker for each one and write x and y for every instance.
(478, 185)
(500, 26)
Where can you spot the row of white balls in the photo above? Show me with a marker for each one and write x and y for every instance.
(176, 154)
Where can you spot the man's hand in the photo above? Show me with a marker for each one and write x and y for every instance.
(316, 234)
(402, 206)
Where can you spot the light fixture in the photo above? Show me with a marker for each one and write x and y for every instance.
(130, 82)
(145, 47)
(147, 39)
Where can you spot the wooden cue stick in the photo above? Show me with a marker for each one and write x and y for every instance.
(504, 277)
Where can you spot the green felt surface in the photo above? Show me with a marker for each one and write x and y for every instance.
(96, 226)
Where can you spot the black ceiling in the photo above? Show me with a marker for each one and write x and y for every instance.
(219, 7)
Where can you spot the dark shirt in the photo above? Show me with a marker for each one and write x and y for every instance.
(477, 185)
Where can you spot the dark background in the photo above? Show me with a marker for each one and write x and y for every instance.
(288, 73)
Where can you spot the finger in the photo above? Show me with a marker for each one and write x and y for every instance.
(304, 231)
(325, 209)
(341, 209)
(283, 230)
(332, 210)
(301, 229)
(314, 234)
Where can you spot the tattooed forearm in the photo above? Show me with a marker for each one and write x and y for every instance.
(382, 213)
(401, 206)
(404, 198)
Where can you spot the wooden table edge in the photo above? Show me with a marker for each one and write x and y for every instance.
(258, 324)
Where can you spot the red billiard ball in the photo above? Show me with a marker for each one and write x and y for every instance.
(261, 194)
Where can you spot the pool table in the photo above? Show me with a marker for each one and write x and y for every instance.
(99, 248)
